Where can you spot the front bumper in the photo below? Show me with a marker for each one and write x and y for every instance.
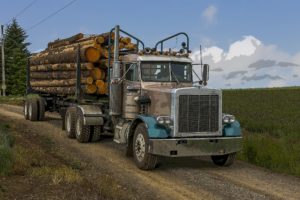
(183, 147)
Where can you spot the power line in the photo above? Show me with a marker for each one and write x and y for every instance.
(51, 15)
(22, 11)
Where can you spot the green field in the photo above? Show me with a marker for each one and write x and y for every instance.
(270, 119)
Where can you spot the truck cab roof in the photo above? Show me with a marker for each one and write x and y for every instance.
(159, 58)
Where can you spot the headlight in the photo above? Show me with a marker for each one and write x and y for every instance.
(164, 120)
(228, 119)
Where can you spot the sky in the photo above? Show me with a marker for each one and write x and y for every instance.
(234, 34)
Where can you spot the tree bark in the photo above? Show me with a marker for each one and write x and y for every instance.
(63, 42)
(57, 67)
(67, 55)
(55, 83)
(56, 90)
(57, 75)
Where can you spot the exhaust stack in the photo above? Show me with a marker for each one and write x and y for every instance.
(115, 99)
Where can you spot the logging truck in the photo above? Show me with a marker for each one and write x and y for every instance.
(144, 98)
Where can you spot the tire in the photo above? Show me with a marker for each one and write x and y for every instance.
(33, 110)
(224, 160)
(70, 122)
(142, 158)
(83, 132)
(95, 137)
(25, 110)
(41, 103)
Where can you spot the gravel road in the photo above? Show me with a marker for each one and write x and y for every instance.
(180, 178)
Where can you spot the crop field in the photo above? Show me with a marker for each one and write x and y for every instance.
(270, 119)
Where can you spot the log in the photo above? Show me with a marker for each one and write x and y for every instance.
(54, 83)
(89, 80)
(92, 54)
(89, 42)
(66, 55)
(100, 40)
(90, 66)
(56, 90)
(91, 89)
(125, 40)
(104, 53)
(97, 74)
(100, 83)
(121, 45)
(130, 46)
(57, 75)
(66, 41)
(103, 89)
(57, 67)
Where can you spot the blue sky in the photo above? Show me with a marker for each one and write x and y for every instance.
(253, 43)
(274, 22)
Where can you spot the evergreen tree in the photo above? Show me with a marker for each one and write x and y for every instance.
(16, 54)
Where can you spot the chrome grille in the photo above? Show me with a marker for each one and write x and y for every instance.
(198, 113)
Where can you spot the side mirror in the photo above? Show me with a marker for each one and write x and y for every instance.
(205, 74)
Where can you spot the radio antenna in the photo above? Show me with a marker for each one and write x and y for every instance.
(201, 55)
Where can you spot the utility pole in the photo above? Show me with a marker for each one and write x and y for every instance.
(3, 62)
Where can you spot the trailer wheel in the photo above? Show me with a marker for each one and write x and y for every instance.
(142, 158)
(25, 110)
(82, 131)
(41, 103)
(70, 122)
(96, 134)
(33, 110)
(224, 160)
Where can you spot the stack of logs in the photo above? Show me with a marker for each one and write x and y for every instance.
(54, 69)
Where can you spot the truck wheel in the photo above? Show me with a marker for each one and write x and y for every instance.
(70, 122)
(41, 103)
(96, 133)
(82, 131)
(33, 110)
(142, 158)
(224, 160)
(25, 110)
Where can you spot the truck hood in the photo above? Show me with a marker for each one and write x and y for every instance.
(161, 96)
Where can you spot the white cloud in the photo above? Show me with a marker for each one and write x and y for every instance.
(244, 47)
(210, 13)
(250, 63)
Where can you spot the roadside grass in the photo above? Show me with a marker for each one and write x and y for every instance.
(45, 162)
(108, 188)
(6, 143)
(271, 126)
(13, 100)
(57, 175)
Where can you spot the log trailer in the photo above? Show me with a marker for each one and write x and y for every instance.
(153, 107)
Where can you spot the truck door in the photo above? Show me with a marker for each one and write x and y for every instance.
(132, 87)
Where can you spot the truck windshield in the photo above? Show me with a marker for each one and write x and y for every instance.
(166, 72)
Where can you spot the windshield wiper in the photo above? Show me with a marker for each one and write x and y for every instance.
(174, 76)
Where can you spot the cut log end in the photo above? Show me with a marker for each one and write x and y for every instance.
(89, 80)
(91, 89)
(98, 74)
(92, 54)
